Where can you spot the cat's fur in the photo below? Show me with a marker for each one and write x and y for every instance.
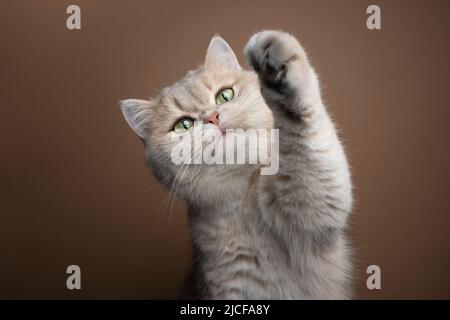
(254, 236)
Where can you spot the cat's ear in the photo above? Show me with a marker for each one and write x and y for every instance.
(136, 113)
(219, 53)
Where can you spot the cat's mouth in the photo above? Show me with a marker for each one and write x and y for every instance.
(223, 130)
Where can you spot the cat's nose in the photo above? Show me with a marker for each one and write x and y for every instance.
(214, 118)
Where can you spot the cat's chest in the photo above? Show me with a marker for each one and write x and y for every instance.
(236, 230)
(238, 251)
(243, 257)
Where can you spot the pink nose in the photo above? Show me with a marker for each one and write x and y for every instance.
(214, 118)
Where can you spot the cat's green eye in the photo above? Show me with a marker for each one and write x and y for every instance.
(183, 125)
(224, 95)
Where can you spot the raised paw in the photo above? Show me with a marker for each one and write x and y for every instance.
(279, 60)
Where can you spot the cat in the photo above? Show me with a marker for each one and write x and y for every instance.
(254, 236)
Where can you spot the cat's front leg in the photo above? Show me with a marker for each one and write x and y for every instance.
(310, 196)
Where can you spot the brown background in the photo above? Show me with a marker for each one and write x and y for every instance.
(73, 186)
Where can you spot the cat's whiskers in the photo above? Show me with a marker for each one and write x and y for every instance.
(170, 195)
(186, 166)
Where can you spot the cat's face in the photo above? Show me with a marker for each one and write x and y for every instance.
(196, 113)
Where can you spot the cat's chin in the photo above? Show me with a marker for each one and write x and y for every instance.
(217, 184)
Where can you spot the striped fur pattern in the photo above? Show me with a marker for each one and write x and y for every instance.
(257, 237)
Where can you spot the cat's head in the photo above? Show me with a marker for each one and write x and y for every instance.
(195, 113)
